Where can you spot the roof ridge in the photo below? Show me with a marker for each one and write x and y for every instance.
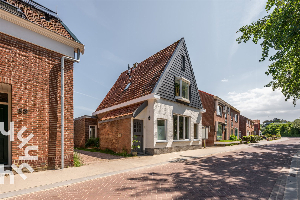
(143, 79)
(206, 93)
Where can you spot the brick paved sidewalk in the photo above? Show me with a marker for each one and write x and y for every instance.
(248, 173)
(88, 157)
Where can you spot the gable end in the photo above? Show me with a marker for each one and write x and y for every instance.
(166, 85)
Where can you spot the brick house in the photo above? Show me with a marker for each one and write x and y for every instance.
(157, 101)
(85, 127)
(256, 127)
(35, 47)
(246, 126)
(220, 119)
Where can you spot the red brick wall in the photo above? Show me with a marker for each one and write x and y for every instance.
(81, 130)
(242, 124)
(34, 74)
(208, 117)
(234, 123)
(256, 126)
(115, 135)
(79, 133)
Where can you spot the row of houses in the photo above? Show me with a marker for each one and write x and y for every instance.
(158, 102)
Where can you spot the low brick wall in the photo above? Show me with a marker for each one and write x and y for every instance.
(115, 135)
(157, 151)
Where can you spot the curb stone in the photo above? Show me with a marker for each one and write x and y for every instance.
(78, 180)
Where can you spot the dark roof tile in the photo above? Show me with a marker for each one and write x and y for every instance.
(143, 79)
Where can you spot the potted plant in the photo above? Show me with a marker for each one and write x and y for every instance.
(135, 145)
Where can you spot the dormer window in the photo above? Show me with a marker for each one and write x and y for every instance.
(182, 87)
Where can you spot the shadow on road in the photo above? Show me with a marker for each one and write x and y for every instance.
(248, 174)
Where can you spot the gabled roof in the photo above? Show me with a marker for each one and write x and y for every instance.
(142, 79)
(39, 15)
(212, 97)
(121, 112)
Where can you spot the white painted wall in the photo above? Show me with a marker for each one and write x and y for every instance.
(35, 38)
(164, 109)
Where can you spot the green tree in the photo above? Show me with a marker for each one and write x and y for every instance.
(279, 30)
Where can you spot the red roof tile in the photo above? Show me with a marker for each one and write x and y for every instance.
(121, 112)
(143, 79)
(38, 17)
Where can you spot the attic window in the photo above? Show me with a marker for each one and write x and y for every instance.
(127, 86)
(182, 87)
(183, 63)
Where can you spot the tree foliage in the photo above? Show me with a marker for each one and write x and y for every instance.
(291, 129)
(279, 30)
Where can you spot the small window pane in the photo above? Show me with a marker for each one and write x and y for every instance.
(161, 130)
(219, 133)
(4, 97)
(92, 132)
(187, 128)
(180, 128)
(174, 127)
(185, 90)
(177, 87)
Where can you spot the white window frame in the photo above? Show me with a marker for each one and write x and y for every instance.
(189, 134)
(90, 131)
(197, 131)
(165, 130)
(180, 98)
(219, 110)
(236, 117)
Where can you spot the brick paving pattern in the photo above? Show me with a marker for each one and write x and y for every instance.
(88, 157)
(246, 174)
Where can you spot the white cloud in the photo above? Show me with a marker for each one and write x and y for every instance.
(263, 103)
(224, 80)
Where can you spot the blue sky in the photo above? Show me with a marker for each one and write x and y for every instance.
(118, 33)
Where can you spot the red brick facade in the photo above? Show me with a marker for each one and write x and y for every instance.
(34, 75)
(115, 134)
(256, 127)
(211, 119)
(246, 126)
(81, 130)
(208, 118)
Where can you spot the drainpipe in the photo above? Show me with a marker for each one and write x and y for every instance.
(62, 101)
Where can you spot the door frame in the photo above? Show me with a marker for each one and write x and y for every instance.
(132, 133)
(6, 88)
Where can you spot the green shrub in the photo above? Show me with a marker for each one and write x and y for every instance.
(92, 142)
(77, 160)
(233, 138)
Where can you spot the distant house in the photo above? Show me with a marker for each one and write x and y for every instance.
(157, 101)
(220, 119)
(256, 127)
(246, 126)
(33, 43)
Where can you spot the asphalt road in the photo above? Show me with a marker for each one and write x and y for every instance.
(257, 172)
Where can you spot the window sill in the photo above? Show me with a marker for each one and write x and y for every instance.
(181, 140)
(161, 141)
(182, 99)
(196, 140)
